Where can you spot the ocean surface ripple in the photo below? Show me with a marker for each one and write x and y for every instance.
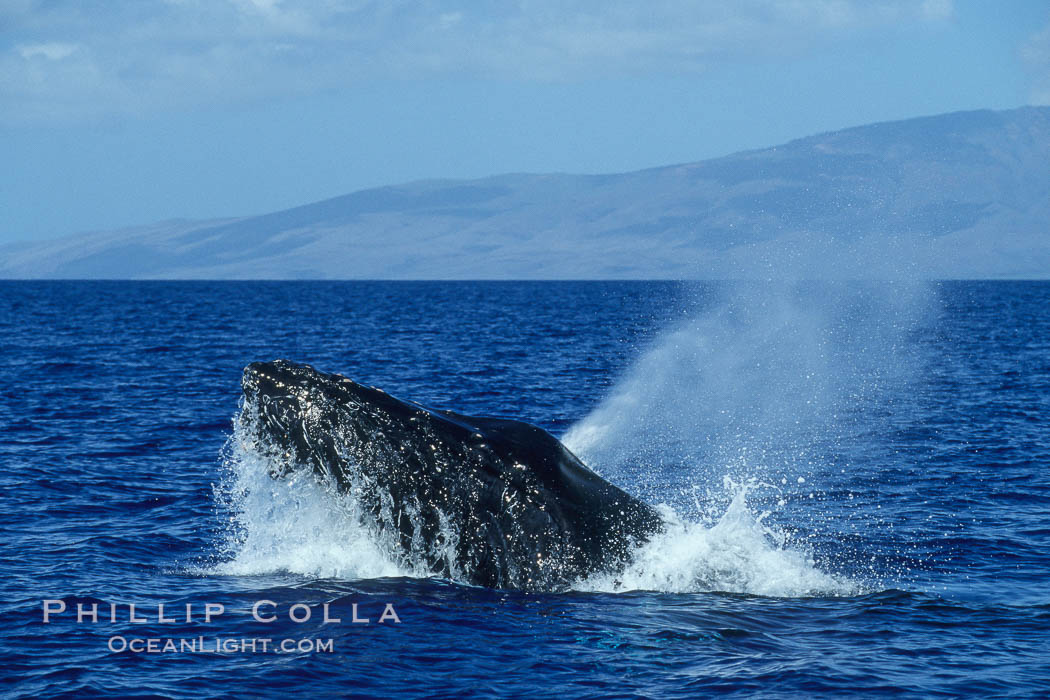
(858, 479)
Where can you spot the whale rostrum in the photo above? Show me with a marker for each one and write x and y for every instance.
(487, 501)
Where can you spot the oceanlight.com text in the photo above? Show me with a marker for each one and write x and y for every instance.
(219, 645)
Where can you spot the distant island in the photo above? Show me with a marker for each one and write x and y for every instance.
(962, 195)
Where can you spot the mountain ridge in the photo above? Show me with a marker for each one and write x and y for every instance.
(964, 194)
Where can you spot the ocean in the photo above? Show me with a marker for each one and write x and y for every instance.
(855, 477)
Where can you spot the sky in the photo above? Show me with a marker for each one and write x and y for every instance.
(129, 112)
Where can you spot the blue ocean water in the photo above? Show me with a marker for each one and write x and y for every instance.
(857, 477)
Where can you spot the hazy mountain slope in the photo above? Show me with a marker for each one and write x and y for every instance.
(956, 195)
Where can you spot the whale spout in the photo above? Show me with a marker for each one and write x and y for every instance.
(487, 501)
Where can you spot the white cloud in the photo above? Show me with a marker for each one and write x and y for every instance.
(938, 9)
(132, 55)
(1036, 54)
(52, 51)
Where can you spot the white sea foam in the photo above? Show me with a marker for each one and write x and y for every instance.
(296, 525)
(293, 524)
(738, 554)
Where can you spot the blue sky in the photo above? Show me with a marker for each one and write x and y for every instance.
(134, 111)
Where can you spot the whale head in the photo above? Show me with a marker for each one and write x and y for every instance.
(300, 412)
(492, 501)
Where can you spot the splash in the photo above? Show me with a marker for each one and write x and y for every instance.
(738, 554)
(768, 375)
(293, 524)
(296, 525)
(774, 382)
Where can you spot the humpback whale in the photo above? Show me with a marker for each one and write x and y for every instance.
(488, 501)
